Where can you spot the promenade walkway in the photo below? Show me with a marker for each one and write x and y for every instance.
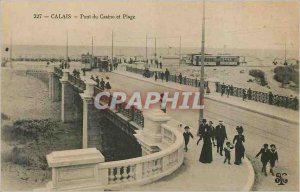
(263, 123)
(194, 175)
(279, 113)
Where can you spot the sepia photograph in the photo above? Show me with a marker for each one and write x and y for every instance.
(149, 95)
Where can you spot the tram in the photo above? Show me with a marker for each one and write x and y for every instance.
(214, 60)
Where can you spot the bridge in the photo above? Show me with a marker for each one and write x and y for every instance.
(162, 164)
(86, 169)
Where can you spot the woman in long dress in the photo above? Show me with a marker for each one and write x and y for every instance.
(239, 146)
(206, 152)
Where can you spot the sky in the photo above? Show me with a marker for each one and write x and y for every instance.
(235, 24)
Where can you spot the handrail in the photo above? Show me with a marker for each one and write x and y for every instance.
(143, 169)
(132, 114)
(258, 96)
(172, 77)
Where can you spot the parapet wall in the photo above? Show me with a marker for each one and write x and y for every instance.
(85, 169)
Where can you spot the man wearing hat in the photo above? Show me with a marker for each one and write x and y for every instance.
(273, 157)
(220, 135)
(264, 158)
(186, 135)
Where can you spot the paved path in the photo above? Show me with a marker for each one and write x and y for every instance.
(194, 175)
(258, 129)
(281, 113)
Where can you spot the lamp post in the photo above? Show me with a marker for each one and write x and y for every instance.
(67, 48)
(10, 52)
(112, 47)
(201, 111)
(179, 51)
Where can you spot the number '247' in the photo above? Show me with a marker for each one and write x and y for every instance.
(37, 16)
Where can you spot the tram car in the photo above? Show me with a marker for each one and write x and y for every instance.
(90, 62)
(215, 60)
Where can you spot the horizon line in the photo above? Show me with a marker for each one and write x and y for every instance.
(149, 47)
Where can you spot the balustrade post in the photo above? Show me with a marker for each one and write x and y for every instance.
(118, 175)
(139, 171)
(69, 172)
(67, 97)
(87, 97)
(151, 134)
(54, 85)
(165, 163)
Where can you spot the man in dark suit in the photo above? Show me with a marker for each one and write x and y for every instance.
(220, 135)
(223, 88)
(264, 158)
(273, 158)
(186, 135)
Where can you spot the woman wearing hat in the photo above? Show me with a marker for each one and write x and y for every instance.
(239, 139)
(206, 152)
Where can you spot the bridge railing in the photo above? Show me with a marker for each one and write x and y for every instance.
(172, 77)
(133, 114)
(258, 96)
(150, 167)
(77, 82)
(85, 169)
(272, 99)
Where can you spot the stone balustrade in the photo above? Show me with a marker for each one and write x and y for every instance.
(84, 169)
(75, 169)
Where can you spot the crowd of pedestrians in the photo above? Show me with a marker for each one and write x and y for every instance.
(64, 65)
(101, 83)
(216, 137)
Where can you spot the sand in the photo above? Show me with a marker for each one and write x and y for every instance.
(23, 97)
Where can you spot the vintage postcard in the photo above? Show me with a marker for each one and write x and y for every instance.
(149, 95)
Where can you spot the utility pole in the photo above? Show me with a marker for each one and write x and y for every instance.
(285, 52)
(10, 52)
(92, 46)
(286, 75)
(146, 48)
(112, 46)
(92, 52)
(155, 48)
(179, 51)
(67, 49)
(201, 111)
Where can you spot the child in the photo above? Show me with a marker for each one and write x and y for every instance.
(265, 154)
(186, 135)
(227, 150)
(273, 158)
